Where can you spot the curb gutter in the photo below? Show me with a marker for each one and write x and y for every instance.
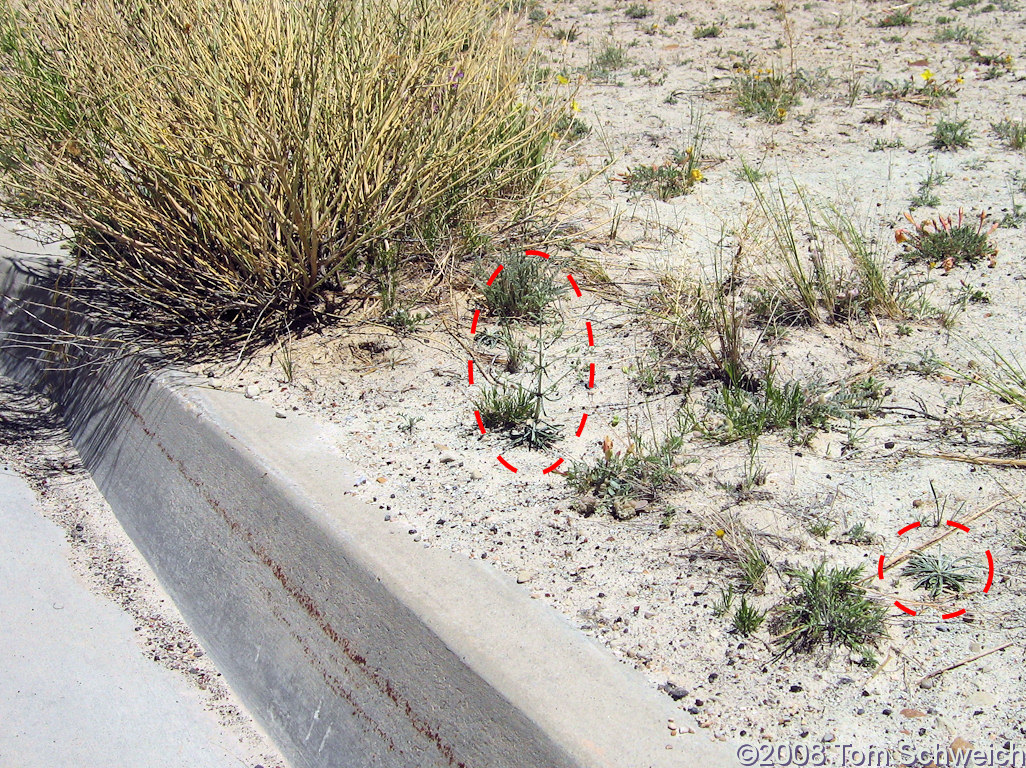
(350, 644)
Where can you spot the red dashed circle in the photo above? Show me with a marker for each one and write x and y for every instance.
(591, 366)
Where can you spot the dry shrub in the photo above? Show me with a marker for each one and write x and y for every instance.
(237, 159)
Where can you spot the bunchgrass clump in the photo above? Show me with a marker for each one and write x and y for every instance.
(938, 573)
(239, 161)
(951, 135)
(942, 242)
(829, 608)
(504, 408)
(637, 11)
(747, 618)
(746, 414)
(524, 289)
(711, 30)
(823, 266)
(610, 58)
(767, 93)
(901, 17)
(1011, 132)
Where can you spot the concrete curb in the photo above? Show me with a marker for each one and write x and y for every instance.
(351, 645)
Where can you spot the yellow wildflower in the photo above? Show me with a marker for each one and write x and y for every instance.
(927, 75)
(562, 80)
(696, 175)
(781, 113)
(959, 79)
(721, 533)
(574, 106)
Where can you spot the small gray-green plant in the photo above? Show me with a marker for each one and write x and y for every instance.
(1011, 132)
(768, 93)
(620, 478)
(403, 321)
(901, 17)
(926, 195)
(650, 372)
(750, 173)
(409, 423)
(859, 534)
(820, 528)
(637, 11)
(610, 58)
(967, 294)
(571, 128)
(939, 573)
(711, 30)
(924, 92)
(753, 474)
(747, 414)
(569, 34)
(879, 145)
(947, 243)
(959, 33)
(829, 608)
(747, 618)
(722, 605)
(286, 362)
(504, 407)
(679, 175)
(524, 288)
(951, 135)
(941, 509)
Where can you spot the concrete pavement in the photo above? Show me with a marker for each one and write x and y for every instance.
(75, 689)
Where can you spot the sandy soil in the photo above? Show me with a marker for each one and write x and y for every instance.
(402, 409)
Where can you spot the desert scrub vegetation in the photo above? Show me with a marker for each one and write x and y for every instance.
(1011, 132)
(766, 93)
(828, 607)
(946, 243)
(524, 288)
(676, 177)
(821, 266)
(951, 135)
(625, 482)
(938, 573)
(240, 162)
(924, 90)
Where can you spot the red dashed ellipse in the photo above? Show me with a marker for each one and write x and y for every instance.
(591, 367)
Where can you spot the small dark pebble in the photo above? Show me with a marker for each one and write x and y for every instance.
(673, 690)
(693, 710)
(889, 444)
(796, 688)
(712, 677)
(886, 711)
